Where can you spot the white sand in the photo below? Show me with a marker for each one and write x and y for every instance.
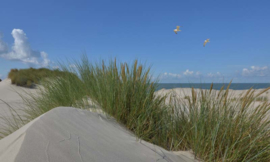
(182, 92)
(73, 135)
(11, 145)
(10, 94)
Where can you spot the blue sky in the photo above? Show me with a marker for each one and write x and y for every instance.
(39, 33)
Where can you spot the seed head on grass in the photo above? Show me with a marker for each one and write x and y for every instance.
(123, 73)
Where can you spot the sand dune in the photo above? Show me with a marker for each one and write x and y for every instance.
(67, 135)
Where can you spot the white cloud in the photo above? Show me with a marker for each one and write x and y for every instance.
(45, 61)
(191, 75)
(72, 66)
(218, 74)
(256, 71)
(175, 75)
(187, 72)
(172, 75)
(22, 51)
(210, 75)
(55, 67)
(258, 68)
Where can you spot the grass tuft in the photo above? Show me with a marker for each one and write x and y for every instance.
(217, 129)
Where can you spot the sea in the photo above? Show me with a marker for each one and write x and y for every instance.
(217, 86)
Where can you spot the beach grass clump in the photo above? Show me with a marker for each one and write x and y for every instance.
(216, 129)
(63, 90)
(125, 92)
(30, 77)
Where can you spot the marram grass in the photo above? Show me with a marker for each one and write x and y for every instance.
(219, 130)
(208, 122)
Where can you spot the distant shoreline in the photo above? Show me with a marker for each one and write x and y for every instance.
(217, 86)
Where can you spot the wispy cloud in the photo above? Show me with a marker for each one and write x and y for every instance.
(210, 75)
(192, 73)
(189, 75)
(198, 73)
(170, 75)
(250, 74)
(56, 67)
(72, 66)
(254, 71)
(217, 74)
(22, 51)
(187, 72)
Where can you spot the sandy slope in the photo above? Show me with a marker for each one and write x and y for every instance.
(73, 135)
(10, 94)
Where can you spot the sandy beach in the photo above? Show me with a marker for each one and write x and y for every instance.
(182, 93)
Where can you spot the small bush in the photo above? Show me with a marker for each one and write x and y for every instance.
(29, 83)
(31, 76)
